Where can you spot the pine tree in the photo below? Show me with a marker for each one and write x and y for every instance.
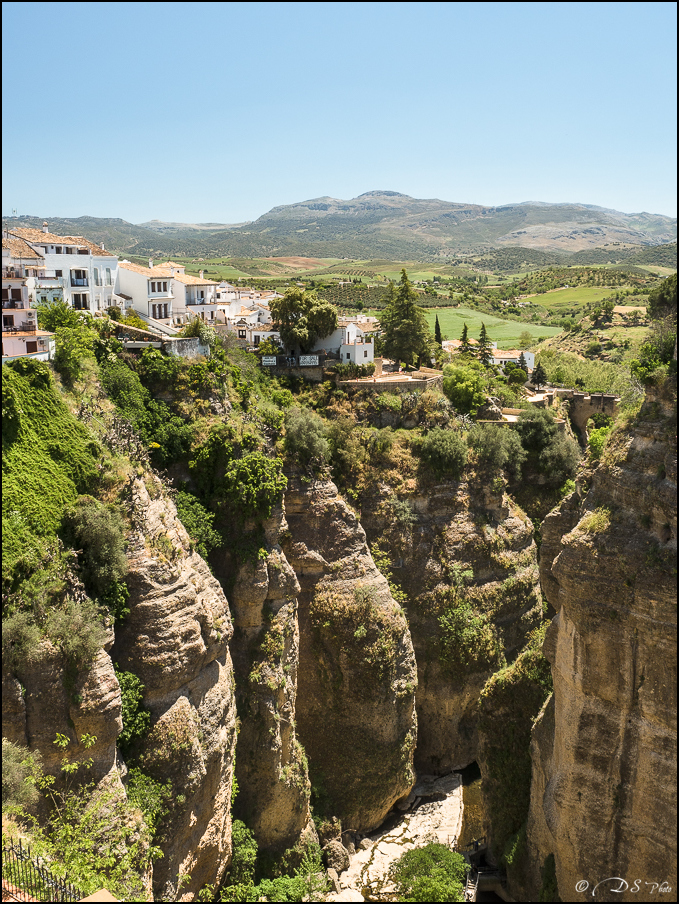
(437, 332)
(404, 325)
(485, 351)
(464, 339)
(522, 362)
(539, 377)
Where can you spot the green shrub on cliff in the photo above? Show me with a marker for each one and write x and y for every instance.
(446, 452)
(97, 530)
(430, 873)
(198, 523)
(497, 449)
(305, 437)
(47, 463)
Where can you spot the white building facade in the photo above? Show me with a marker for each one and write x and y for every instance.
(75, 269)
(147, 290)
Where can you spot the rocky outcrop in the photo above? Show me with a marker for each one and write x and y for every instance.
(44, 698)
(357, 673)
(273, 782)
(603, 798)
(175, 639)
(470, 545)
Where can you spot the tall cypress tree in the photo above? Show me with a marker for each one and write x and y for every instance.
(437, 332)
(464, 339)
(404, 325)
(522, 362)
(485, 351)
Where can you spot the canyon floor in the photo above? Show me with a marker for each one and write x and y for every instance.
(428, 820)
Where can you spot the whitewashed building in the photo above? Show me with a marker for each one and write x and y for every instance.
(77, 270)
(352, 340)
(502, 356)
(21, 337)
(194, 296)
(150, 292)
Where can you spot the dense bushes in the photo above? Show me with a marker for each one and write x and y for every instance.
(548, 451)
(198, 523)
(20, 768)
(445, 451)
(254, 484)
(464, 386)
(136, 718)
(468, 640)
(305, 436)
(497, 449)
(97, 530)
(430, 873)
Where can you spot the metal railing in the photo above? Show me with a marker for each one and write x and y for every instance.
(79, 282)
(25, 878)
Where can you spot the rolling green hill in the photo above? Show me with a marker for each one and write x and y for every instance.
(386, 225)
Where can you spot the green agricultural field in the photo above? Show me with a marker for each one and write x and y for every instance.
(561, 301)
(505, 332)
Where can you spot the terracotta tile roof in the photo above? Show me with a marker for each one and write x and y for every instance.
(506, 353)
(145, 271)
(38, 237)
(95, 249)
(456, 343)
(20, 248)
(185, 278)
(170, 264)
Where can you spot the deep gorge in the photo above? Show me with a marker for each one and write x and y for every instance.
(334, 649)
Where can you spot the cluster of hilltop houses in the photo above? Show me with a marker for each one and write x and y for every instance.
(38, 266)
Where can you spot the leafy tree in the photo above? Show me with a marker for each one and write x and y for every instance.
(254, 484)
(20, 771)
(539, 377)
(305, 436)
(430, 873)
(497, 449)
(464, 386)
(464, 339)
(437, 332)
(197, 327)
(484, 349)
(73, 345)
(662, 301)
(548, 451)
(445, 451)
(55, 314)
(405, 330)
(302, 318)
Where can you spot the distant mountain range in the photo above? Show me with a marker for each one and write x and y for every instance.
(380, 224)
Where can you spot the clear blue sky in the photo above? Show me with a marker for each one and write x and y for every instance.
(216, 112)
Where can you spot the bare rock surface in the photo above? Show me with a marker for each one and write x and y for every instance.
(357, 672)
(461, 527)
(175, 640)
(603, 797)
(273, 783)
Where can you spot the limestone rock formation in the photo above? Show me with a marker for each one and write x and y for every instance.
(461, 527)
(357, 672)
(273, 783)
(603, 798)
(175, 640)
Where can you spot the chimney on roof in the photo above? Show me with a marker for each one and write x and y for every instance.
(45, 227)
(150, 263)
(201, 273)
(102, 247)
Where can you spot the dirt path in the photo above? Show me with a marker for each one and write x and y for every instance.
(428, 819)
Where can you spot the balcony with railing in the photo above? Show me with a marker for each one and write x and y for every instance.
(78, 281)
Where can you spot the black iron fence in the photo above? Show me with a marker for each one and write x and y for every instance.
(24, 878)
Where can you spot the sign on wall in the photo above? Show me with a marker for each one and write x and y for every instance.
(308, 360)
(269, 360)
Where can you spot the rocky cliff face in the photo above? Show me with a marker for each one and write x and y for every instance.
(603, 798)
(460, 527)
(357, 672)
(273, 781)
(175, 640)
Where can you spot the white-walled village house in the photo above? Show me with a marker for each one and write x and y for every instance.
(77, 270)
(194, 296)
(20, 334)
(150, 292)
